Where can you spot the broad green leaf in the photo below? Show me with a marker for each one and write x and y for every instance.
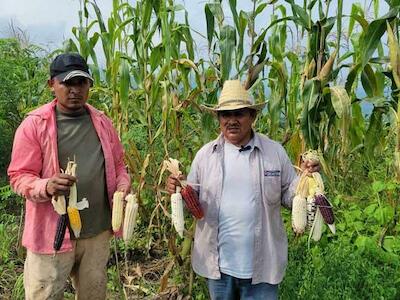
(210, 24)
(310, 93)
(340, 102)
(371, 37)
(260, 9)
(378, 186)
(301, 13)
(351, 78)
(369, 81)
(227, 45)
(232, 5)
(357, 13)
(124, 83)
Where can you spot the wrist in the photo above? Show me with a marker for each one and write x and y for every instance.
(47, 192)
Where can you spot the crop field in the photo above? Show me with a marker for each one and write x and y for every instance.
(330, 75)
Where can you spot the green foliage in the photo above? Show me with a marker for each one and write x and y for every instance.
(339, 270)
(22, 84)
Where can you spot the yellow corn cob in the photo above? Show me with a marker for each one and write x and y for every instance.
(130, 217)
(320, 183)
(74, 220)
(299, 214)
(117, 212)
(177, 212)
(312, 186)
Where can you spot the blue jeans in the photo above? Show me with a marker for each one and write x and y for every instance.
(232, 288)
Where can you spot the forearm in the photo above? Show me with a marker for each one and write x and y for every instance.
(31, 187)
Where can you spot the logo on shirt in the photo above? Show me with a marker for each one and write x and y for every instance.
(272, 173)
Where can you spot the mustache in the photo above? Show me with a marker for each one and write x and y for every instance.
(75, 97)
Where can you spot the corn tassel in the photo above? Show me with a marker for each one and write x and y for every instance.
(74, 220)
(177, 212)
(130, 217)
(117, 211)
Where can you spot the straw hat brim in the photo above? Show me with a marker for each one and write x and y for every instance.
(257, 107)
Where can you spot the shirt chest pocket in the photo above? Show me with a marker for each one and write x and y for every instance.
(271, 175)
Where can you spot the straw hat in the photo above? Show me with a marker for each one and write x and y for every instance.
(234, 96)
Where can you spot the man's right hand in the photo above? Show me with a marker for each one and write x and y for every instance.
(59, 184)
(172, 183)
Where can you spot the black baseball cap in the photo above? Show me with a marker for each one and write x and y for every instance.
(68, 65)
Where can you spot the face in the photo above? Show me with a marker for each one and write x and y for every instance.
(71, 94)
(236, 124)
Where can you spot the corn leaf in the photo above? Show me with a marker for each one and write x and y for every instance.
(371, 37)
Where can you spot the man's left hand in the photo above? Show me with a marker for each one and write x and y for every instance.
(310, 166)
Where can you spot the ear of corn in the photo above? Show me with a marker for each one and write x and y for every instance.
(299, 214)
(74, 220)
(311, 208)
(191, 199)
(316, 229)
(130, 217)
(177, 212)
(326, 211)
(73, 205)
(60, 231)
(59, 204)
(326, 70)
(309, 194)
(117, 211)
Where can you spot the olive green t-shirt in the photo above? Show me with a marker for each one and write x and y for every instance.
(77, 137)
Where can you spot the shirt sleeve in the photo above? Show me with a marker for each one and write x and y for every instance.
(289, 181)
(26, 164)
(194, 173)
(122, 177)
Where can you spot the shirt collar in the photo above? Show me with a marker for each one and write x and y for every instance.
(218, 143)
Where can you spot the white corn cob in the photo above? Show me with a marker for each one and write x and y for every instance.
(177, 212)
(117, 211)
(316, 229)
(59, 204)
(130, 217)
(311, 208)
(299, 214)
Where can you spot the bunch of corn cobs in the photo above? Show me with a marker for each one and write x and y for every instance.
(185, 193)
(68, 208)
(310, 207)
(126, 213)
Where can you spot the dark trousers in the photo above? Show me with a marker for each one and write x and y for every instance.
(232, 288)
